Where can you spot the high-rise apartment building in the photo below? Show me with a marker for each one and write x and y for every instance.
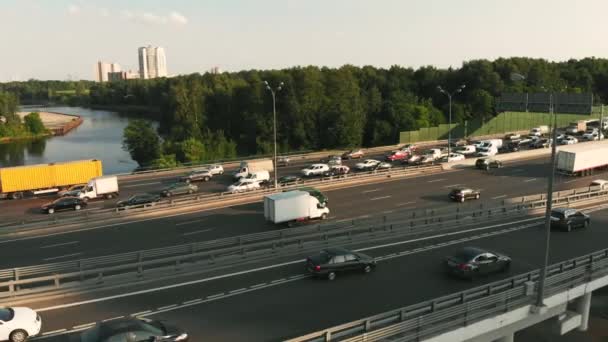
(152, 62)
(103, 68)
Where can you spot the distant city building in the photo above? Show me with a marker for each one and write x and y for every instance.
(102, 69)
(122, 75)
(215, 70)
(152, 62)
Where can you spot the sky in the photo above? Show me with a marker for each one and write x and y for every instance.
(62, 39)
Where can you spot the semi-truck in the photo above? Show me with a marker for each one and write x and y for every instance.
(582, 159)
(292, 207)
(100, 187)
(251, 166)
(15, 182)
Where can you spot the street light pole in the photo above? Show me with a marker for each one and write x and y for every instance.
(274, 117)
(449, 95)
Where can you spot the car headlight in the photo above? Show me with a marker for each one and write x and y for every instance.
(182, 337)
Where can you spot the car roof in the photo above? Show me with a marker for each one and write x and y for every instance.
(337, 251)
(562, 210)
(472, 251)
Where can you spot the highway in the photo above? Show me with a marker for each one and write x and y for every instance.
(251, 307)
(392, 197)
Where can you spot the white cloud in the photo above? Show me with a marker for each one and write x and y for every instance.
(104, 12)
(73, 10)
(178, 18)
(153, 18)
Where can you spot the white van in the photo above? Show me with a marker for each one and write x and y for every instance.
(259, 176)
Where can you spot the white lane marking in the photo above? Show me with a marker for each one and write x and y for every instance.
(61, 244)
(141, 184)
(190, 222)
(54, 332)
(167, 307)
(83, 325)
(451, 186)
(62, 256)
(229, 275)
(141, 313)
(238, 290)
(501, 196)
(530, 180)
(388, 211)
(197, 232)
(379, 198)
(570, 181)
(405, 203)
(193, 301)
(436, 180)
(258, 285)
(113, 318)
(368, 191)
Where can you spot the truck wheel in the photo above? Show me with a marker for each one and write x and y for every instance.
(109, 196)
(85, 199)
(462, 199)
(290, 224)
(331, 276)
(477, 196)
(16, 195)
(77, 207)
(206, 179)
(367, 269)
(51, 210)
(324, 217)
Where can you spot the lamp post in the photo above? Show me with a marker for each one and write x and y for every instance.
(274, 116)
(449, 95)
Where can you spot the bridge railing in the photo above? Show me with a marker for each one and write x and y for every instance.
(433, 317)
(257, 247)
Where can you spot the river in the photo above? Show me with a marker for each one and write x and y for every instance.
(99, 137)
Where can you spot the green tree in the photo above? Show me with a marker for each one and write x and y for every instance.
(141, 141)
(33, 123)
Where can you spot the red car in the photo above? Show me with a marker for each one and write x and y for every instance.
(397, 155)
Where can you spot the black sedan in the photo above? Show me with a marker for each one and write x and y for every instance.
(471, 262)
(331, 261)
(138, 200)
(132, 329)
(64, 203)
(290, 179)
(567, 218)
(463, 194)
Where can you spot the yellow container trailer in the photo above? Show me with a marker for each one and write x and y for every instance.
(46, 178)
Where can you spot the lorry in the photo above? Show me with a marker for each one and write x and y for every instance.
(249, 166)
(583, 159)
(100, 187)
(577, 127)
(539, 131)
(15, 182)
(292, 207)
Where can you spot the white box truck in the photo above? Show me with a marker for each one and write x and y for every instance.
(100, 187)
(293, 206)
(582, 159)
(250, 166)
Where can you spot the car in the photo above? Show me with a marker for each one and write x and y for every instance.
(488, 163)
(509, 147)
(513, 136)
(179, 189)
(603, 184)
(336, 170)
(367, 164)
(243, 185)
(353, 154)
(569, 140)
(314, 170)
(215, 169)
(133, 329)
(536, 131)
(463, 194)
(139, 200)
(466, 150)
(288, 179)
(592, 136)
(572, 129)
(19, 323)
(316, 193)
(453, 157)
(72, 191)
(283, 161)
(397, 155)
(203, 175)
(63, 203)
(567, 218)
(331, 261)
(412, 160)
(383, 166)
(333, 160)
(409, 148)
(540, 143)
(471, 262)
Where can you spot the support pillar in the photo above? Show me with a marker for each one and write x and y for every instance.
(507, 338)
(582, 308)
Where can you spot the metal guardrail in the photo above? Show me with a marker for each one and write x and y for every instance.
(431, 318)
(190, 200)
(251, 247)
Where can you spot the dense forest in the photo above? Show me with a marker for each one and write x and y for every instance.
(323, 107)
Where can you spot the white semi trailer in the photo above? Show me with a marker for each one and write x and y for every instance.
(582, 159)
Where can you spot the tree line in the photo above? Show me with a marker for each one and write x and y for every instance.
(321, 108)
(11, 125)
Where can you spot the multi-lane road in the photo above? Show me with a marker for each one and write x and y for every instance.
(282, 302)
(388, 198)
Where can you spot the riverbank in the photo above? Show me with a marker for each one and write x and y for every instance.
(57, 123)
(130, 109)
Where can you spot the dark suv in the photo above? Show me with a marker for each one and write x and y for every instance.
(463, 194)
(486, 164)
(331, 261)
(566, 219)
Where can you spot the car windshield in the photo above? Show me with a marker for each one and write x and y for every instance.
(465, 255)
(76, 187)
(557, 214)
(324, 256)
(6, 314)
(456, 191)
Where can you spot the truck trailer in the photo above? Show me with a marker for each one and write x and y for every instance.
(582, 159)
(250, 166)
(15, 182)
(292, 207)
